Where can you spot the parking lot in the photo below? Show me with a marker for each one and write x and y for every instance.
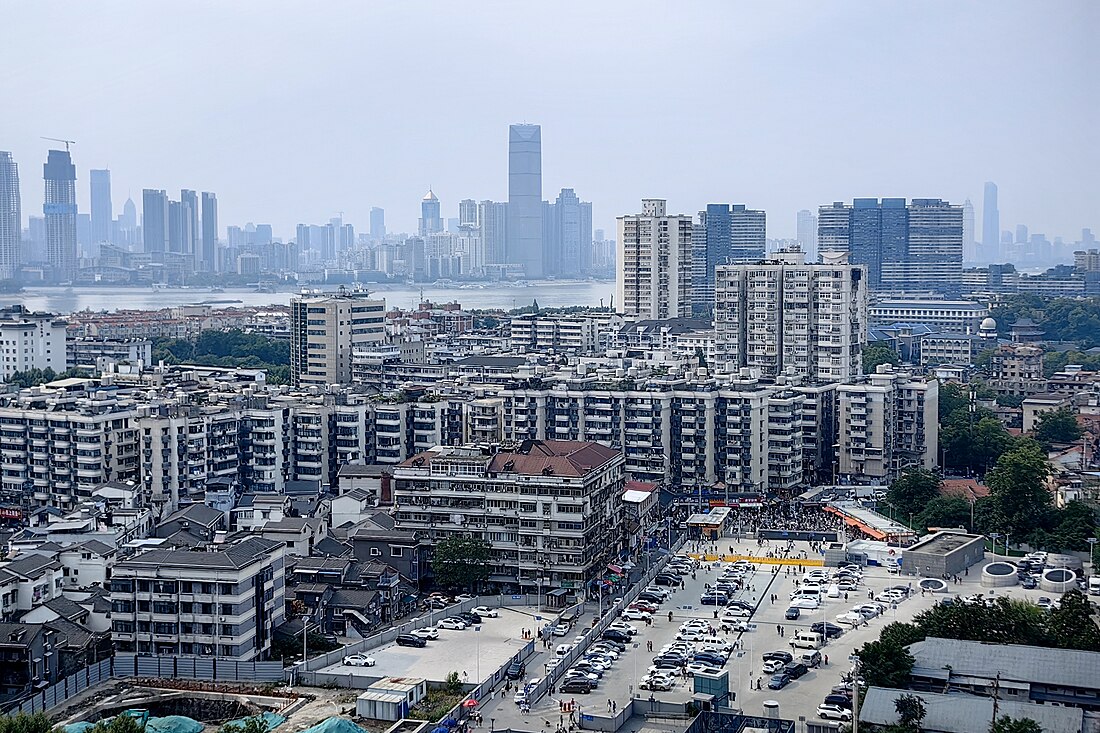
(473, 654)
(802, 696)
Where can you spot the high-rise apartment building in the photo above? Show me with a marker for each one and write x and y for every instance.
(726, 235)
(30, 340)
(991, 224)
(653, 268)
(525, 198)
(209, 258)
(914, 246)
(59, 208)
(154, 222)
(888, 422)
(325, 331)
(785, 316)
(806, 233)
(748, 234)
(11, 217)
(493, 219)
(567, 235)
(377, 222)
(970, 244)
(430, 219)
(102, 210)
(190, 233)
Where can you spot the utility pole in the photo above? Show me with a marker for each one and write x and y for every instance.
(855, 694)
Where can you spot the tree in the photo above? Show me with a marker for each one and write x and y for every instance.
(1058, 426)
(911, 491)
(945, 511)
(877, 354)
(461, 562)
(1070, 624)
(1071, 526)
(254, 724)
(911, 710)
(953, 397)
(885, 664)
(121, 723)
(25, 723)
(1018, 490)
(1005, 724)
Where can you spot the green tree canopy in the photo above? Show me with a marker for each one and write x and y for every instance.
(885, 663)
(254, 724)
(911, 710)
(1005, 724)
(1070, 624)
(915, 488)
(233, 348)
(121, 723)
(877, 354)
(1058, 426)
(945, 511)
(461, 562)
(1018, 491)
(25, 723)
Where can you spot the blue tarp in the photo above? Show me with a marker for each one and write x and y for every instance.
(272, 720)
(335, 725)
(173, 724)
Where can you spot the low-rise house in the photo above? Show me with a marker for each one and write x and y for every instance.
(27, 659)
(353, 507)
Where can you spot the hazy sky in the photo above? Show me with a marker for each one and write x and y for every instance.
(292, 112)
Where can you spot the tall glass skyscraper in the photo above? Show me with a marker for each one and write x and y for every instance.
(991, 224)
(59, 208)
(430, 219)
(377, 222)
(209, 232)
(154, 222)
(524, 245)
(11, 217)
(102, 211)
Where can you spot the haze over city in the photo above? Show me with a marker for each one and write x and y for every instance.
(294, 113)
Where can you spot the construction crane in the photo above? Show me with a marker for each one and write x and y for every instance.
(59, 140)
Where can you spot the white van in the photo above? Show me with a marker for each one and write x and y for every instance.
(1094, 585)
(806, 640)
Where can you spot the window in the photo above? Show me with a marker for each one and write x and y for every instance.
(397, 551)
(375, 552)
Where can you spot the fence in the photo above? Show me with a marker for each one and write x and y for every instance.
(63, 689)
(198, 668)
(594, 632)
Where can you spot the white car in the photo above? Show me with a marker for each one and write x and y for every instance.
(455, 624)
(833, 712)
(890, 596)
(359, 660)
(520, 697)
(695, 667)
(807, 602)
(732, 613)
(657, 683)
(691, 635)
(552, 665)
(738, 625)
(429, 634)
(658, 590)
(606, 650)
(560, 630)
(633, 614)
(773, 666)
(851, 619)
(695, 625)
(486, 612)
(464, 597)
(623, 627)
(869, 610)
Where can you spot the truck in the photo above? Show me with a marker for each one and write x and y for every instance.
(1094, 585)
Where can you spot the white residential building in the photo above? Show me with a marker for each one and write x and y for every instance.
(654, 263)
(225, 601)
(785, 316)
(889, 421)
(325, 330)
(30, 340)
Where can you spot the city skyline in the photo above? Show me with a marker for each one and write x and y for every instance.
(949, 154)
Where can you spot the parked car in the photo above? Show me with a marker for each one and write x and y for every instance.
(486, 612)
(779, 681)
(560, 630)
(576, 686)
(807, 602)
(735, 612)
(410, 640)
(833, 712)
(695, 667)
(470, 618)
(772, 666)
(429, 634)
(1029, 583)
(516, 671)
(455, 624)
(623, 627)
(826, 629)
(782, 656)
(359, 660)
(796, 670)
(792, 613)
(636, 614)
(651, 597)
(657, 682)
(713, 599)
(616, 636)
(838, 700)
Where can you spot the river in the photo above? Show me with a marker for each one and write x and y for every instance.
(547, 293)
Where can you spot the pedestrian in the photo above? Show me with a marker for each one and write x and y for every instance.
(614, 707)
(609, 704)
(826, 660)
(778, 630)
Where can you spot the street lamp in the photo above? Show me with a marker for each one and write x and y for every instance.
(993, 536)
(1092, 558)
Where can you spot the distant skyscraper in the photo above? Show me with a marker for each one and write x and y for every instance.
(904, 247)
(129, 218)
(525, 198)
(103, 212)
(209, 261)
(748, 234)
(567, 235)
(493, 219)
(190, 201)
(1021, 234)
(430, 219)
(154, 222)
(377, 223)
(806, 233)
(653, 278)
(11, 217)
(991, 224)
(970, 246)
(59, 207)
(728, 235)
